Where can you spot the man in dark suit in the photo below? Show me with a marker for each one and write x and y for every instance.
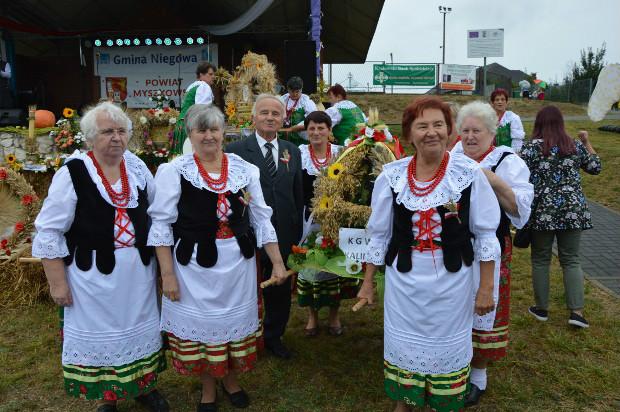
(279, 162)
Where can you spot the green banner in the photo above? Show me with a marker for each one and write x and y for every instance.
(404, 75)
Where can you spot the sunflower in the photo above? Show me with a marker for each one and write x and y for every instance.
(334, 171)
(326, 202)
(10, 159)
(68, 112)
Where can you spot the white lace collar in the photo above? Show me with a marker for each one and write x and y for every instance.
(491, 159)
(306, 160)
(136, 174)
(345, 104)
(460, 173)
(507, 117)
(238, 172)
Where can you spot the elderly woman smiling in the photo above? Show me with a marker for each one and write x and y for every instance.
(209, 215)
(509, 177)
(91, 237)
(433, 223)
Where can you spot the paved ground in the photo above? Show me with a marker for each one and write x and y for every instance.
(600, 249)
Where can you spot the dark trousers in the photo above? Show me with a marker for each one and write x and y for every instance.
(277, 299)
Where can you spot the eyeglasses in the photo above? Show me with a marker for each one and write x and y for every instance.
(110, 132)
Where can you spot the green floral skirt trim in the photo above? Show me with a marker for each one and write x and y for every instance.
(441, 392)
(112, 383)
(326, 293)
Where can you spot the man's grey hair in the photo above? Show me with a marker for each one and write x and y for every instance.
(88, 123)
(481, 111)
(265, 96)
(203, 117)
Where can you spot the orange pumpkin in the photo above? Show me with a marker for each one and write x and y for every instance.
(44, 118)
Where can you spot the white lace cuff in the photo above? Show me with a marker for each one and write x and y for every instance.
(49, 245)
(524, 201)
(486, 249)
(160, 235)
(265, 233)
(375, 253)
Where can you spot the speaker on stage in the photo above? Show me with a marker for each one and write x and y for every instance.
(10, 117)
(301, 61)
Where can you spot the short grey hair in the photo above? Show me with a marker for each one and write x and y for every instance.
(203, 117)
(481, 111)
(265, 96)
(88, 123)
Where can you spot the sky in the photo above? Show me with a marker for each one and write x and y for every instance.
(542, 36)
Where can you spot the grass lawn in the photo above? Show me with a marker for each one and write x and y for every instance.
(549, 367)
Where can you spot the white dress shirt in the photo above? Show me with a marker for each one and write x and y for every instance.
(263, 149)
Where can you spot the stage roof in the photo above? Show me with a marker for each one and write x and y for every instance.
(348, 25)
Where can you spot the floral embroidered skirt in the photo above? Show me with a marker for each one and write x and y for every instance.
(196, 358)
(112, 383)
(492, 345)
(324, 293)
(441, 392)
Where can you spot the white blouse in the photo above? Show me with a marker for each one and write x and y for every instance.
(484, 212)
(304, 102)
(204, 94)
(58, 211)
(241, 174)
(517, 133)
(306, 160)
(516, 174)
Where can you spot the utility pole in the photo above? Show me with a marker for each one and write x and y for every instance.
(444, 10)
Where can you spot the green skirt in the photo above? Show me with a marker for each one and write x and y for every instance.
(112, 383)
(326, 292)
(441, 392)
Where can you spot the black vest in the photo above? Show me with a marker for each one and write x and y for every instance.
(308, 185)
(503, 229)
(455, 236)
(197, 223)
(93, 225)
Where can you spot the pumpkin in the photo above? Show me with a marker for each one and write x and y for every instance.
(44, 118)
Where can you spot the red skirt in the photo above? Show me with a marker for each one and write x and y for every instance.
(492, 345)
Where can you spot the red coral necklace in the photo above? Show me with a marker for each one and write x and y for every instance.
(119, 199)
(435, 180)
(485, 154)
(215, 184)
(315, 161)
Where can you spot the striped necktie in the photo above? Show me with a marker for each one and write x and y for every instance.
(271, 166)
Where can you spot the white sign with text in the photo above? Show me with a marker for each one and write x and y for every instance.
(353, 243)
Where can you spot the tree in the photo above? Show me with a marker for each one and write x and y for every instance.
(590, 64)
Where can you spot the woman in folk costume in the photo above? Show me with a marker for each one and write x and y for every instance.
(91, 237)
(509, 177)
(509, 127)
(319, 289)
(344, 113)
(199, 92)
(208, 218)
(298, 105)
(433, 223)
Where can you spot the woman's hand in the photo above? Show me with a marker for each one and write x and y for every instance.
(366, 295)
(278, 273)
(583, 136)
(61, 294)
(484, 301)
(170, 286)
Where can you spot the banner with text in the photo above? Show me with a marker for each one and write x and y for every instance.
(133, 74)
(457, 77)
(404, 75)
